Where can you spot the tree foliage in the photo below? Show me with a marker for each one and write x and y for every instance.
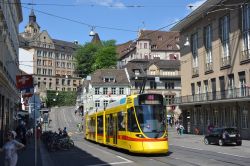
(91, 57)
(62, 98)
(84, 57)
(105, 57)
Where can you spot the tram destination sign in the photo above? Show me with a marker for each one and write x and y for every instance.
(150, 99)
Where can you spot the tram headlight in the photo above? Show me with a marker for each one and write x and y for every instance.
(139, 135)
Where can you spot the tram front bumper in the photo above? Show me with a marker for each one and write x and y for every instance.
(155, 147)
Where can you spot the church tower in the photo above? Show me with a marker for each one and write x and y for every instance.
(32, 28)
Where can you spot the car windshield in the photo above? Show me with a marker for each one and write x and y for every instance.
(217, 130)
(231, 131)
(151, 118)
(227, 130)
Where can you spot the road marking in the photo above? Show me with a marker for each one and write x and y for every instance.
(235, 155)
(212, 151)
(127, 160)
(96, 148)
(115, 163)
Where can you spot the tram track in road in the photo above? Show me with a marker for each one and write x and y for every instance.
(122, 160)
(175, 160)
(179, 156)
(213, 156)
(159, 160)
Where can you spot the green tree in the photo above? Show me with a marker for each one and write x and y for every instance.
(105, 57)
(62, 98)
(95, 56)
(84, 57)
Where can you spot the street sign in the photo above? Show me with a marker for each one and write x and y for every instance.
(24, 81)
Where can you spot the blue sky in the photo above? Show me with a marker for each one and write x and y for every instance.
(114, 14)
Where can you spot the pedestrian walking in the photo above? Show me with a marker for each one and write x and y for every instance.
(10, 149)
(79, 127)
(181, 130)
(178, 128)
(210, 128)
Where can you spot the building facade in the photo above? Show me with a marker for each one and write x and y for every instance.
(53, 60)
(150, 45)
(153, 62)
(215, 67)
(10, 17)
(156, 76)
(103, 87)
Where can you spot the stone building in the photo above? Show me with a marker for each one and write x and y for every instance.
(53, 60)
(156, 76)
(10, 17)
(104, 86)
(149, 45)
(215, 67)
(153, 62)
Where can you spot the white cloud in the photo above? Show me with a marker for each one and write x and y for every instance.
(108, 3)
(195, 5)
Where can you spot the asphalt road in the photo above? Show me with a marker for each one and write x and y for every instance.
(184, 151)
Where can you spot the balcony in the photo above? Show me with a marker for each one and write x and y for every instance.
(245, 57)
(225, 62)
(230, 94)
(195, 72)
(208, 67)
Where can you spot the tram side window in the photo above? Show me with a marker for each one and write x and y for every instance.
(121, 121)
(89, 125)
(100, 125)
(132, 125)
(92, 125)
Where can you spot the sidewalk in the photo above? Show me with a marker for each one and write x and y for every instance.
(26, 157)
(191, 138)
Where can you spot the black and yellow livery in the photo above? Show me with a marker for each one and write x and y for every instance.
(136, 123)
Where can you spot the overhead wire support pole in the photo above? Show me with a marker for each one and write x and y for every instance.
(144, 81)
(34, 105)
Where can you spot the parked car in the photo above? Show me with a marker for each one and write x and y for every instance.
(223, 136)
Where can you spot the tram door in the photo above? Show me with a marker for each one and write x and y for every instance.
(115, 129)
(108, 131)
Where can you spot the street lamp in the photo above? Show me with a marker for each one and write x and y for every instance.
(34, 109)
(92, 32)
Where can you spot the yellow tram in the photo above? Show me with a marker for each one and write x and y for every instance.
(136, 123)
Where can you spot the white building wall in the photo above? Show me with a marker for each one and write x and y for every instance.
(90, 97)
(26, 61)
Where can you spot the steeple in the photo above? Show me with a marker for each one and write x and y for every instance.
(96, 39)
(32, 17)
(32, 28)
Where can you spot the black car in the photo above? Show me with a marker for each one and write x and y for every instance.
(223, 136)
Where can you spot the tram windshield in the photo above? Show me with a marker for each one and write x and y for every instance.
(151, 118)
